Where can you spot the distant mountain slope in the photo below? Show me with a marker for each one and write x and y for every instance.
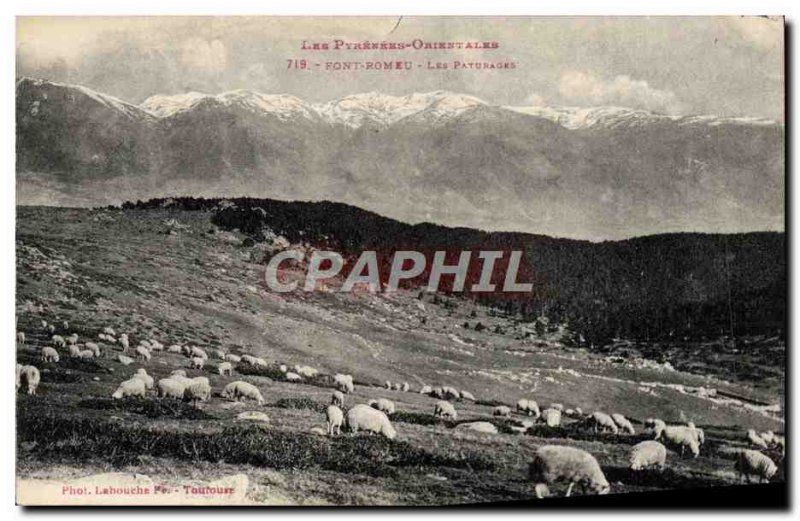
(450, 158)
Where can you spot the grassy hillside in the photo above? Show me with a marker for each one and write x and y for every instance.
(175, 276)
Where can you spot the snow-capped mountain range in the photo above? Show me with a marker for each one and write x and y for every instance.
(602, 172)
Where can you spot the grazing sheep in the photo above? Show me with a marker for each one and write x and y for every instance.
(388, 385)
(21, 338)
(252, 360)
(49, 354)
(132, 387)
(225, 368)
(219, 354)
(364, 418)
(86, 353)
(125, 360)
(109, 331)
(575, 413)
(623, 423)
(283, 368)
(554, 463)
(146, 378)
(501, 410)
(44, 324)
(305, 371)
(655, 426)
(437, 392)
(94, 348)
(179, 372)
(197, 391)
(142, 353)
(65, 325)
(197, 362)
(600, 421)
(529, 407)
(175, 348)
(647, 454)
(155, 345)
(426, 389)
(197, 352)
(58, 341)
(699, 435)
(756, 440)
(344, 383)
(293, 377)
(551, 417)
(768, 437)
(466, 395)
(683, 437)
(254, 416)
(445, 410)
(171, 388)
(337, 398)
(72, 339)
(484, 427)
(405, 387)
(233, 358)
(753, 463)
(75, 351)
(29, 377)
(397, 386)
(335, 418)
(124, 342)
(51, 328)
(240, 390)
(451, 393)
(382, 404)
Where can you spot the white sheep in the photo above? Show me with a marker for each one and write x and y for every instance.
(364, 418)
(405, 387)
(19, 376)
(529, 407)
(600, 421)
(21, 338)
(557, 406)
(132, 387)
(179, 372)
(437, 392)
(335, 418)
(648, 453)
(426, 389)
(305, 371)
(197, 391)
(51, 328)
(337, 398)
(683, 437)
(344, 382)
(623, 423)
(125, 360)
(485, 427)
(94, 348)
(175, 348)
(466, 395)
(240, 390)
(49, 355)
(143, 353)
(75, 351)
(768, 437)
(225, 368)
(756, 440)
(382, 404)
(553, 463)
(124, 342)
(58, 341)
(146, 378)
(397, 386)
(283, 368)
(233, 358)
(445, 410)
(29, 376)
(109, 331)
(451, 393)
(219, 354)
(502, 410)
(293, 377)
(86, 354)
(753, 463)
(65, 325)
(551, 417)
(72, 339)
(199, 353)
(197, 362)
(155, 345)
(655, 426)
(388, 385)
(171, 388)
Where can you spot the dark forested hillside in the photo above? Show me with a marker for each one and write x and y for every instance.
(670, 286)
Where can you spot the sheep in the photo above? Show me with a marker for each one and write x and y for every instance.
(445, 410)
(397, 386)
(529, 407)
(405, 387)
(283, 368)
(125, 360)
(437, 392)
(179, 372)
(86, 354)
(557, 406)
(502, 410)
(363, 417)
(768, 437)
(251, 360)
(132, 387)
(225, 368)
(155, 345)
(648, 453)
(466, 395)
(19, 376)
(65, 325)
(171, 388)
(175, 348)
(44, 324)
(553, 463)
(124, 342)
(752, 463)
(142, 353)
(382, 404)
(305, 371)
(698, 433)
(197, 391)
(344, 383)
(51, 328)
(30, 377)
(49, 355)
(219, 354)
(600, 421)
(146, 378)
(58, 341)
(197, 362)
(74, 351)
(426, 389)
(335, 418)
(21, 338)
(756, 440)
(337, 398)
(623, 423)
(683, 437)
(293, 377)
(72, 339)
(233, 358)
(109, 331)
(655, 426)
(485, 427)
(240, 390)
(551, 417)
(199, 353)
(451, 393)
(94, 348)
(388, 385)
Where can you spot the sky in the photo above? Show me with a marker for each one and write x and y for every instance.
(726, 66)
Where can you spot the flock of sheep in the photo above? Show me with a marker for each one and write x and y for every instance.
(551, 463)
